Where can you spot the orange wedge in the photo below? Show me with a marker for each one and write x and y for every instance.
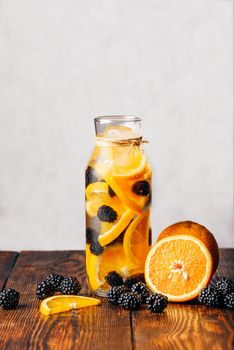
(112, 259)
(114, 230)
(182, 261)
(136, 239)
(97, 194)
(62, 303)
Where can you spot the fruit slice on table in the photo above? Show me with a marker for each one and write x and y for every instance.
(110, 231)
(136, 239)
(61, 303)
(112, 259)
(182, 261)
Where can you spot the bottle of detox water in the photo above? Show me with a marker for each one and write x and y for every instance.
(118, 198)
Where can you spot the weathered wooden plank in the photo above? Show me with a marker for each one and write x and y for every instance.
(99, 327)
(187, 326)
(7, 261)
(217, 324)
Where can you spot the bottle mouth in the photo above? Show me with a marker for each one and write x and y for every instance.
(106, 119)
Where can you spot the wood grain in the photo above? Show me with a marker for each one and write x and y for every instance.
(99, 327)
(184, 326)
(181, 326)
(7, 261)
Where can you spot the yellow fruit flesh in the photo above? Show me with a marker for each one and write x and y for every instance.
(136, 239)
(179, 267)
(62, 303)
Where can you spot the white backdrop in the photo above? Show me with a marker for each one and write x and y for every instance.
(64, 62)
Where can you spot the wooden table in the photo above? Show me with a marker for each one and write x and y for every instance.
(187, 326)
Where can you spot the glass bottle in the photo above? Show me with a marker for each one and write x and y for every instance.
(118, 198)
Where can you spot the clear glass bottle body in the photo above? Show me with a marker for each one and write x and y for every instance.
(118, 199)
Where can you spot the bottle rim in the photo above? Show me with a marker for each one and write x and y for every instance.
(105, 119)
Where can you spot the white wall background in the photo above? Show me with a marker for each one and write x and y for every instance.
(64, 62)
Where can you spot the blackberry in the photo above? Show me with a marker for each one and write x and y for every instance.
(141, 188)
(209, 297)
(9, 298)
(131, 280)
(156, 303)
(96, 248)
(224, 286)
(111, 192)
(114, 279)
(91, 235)
(114, 294)
(44, 290)
(130, 301)
(54, 281)
(141, 289)
(228, 301)
(106, 214)
(70, 285)
(90, 176)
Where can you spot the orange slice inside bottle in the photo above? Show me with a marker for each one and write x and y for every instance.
(112, 259)
(114, 230)
(97, 194)
(136, 239)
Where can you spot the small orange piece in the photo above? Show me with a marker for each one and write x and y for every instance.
(136, 239)
(114, 230)
(182, 261)
(62, 303)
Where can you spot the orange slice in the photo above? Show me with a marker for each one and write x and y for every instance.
(96, 189)
(128, 161)
(136, 239)
(114, 231)
(97, 194)
(112, 259)
(61, 303)
(182, 261)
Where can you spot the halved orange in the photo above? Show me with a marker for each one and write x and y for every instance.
(182, 261)
(112, 259)
(62, 303)
(136, 239)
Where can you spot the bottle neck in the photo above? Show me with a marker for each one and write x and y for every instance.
(121, 127)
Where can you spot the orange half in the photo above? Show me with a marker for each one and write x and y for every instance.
(178, 266)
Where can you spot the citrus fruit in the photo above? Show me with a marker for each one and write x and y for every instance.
(112, 259)
(136, 239)
(113, 230)
(97, 194)
(128, 164)
(182, 261)
(61, 303)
